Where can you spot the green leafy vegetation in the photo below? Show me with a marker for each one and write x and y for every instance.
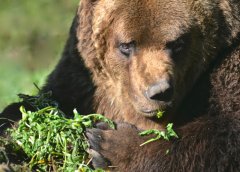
(53, 142)
(40, 101)
(166, 135)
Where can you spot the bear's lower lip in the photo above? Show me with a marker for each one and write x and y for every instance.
(149, 113)
(152, 112)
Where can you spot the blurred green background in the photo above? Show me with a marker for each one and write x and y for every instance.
(32, 37)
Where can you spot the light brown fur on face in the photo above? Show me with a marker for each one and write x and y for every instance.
(123, 83)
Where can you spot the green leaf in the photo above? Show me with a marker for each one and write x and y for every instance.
(166, 135)
(159, 114)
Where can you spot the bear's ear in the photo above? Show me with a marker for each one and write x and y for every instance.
(84, 31)
(94, 16)
(84, 25)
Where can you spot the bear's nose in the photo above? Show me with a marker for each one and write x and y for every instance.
(161, 91)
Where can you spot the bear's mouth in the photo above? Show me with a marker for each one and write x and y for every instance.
(152, 112)
(149, 113)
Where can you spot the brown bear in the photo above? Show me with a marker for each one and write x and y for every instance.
(149, 57)
(166, 59)
(128, 59)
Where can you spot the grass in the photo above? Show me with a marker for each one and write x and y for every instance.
(45, 140)
(53, 142)
(32, 36)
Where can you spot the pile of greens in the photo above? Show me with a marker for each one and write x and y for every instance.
(51, 141)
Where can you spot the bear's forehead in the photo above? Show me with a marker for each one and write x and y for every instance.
(151, 19)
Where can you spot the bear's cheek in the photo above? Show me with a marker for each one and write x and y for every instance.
(187, 71)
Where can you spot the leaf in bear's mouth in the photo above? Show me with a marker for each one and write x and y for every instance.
(160, 114)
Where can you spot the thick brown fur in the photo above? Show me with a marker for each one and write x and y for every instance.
(209, 143)
(191, 45)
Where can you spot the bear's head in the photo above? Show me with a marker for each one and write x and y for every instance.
(145, 55)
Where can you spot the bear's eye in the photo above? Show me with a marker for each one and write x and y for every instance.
(127, 48)
(176, 46)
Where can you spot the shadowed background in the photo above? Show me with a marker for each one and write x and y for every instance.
(32, 37)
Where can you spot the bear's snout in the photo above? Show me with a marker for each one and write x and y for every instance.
(160, 91)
